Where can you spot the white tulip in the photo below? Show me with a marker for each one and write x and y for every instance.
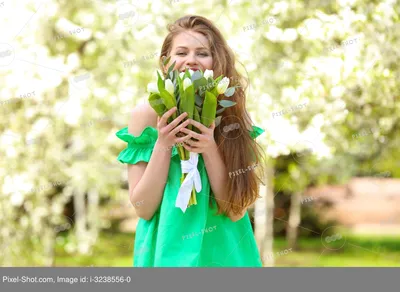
(186, 83)
(223, 85)
(181, 74)
(169, 86)
(152, 88)
(191, 72)
(208, 73)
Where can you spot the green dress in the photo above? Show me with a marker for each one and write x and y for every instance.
(196, 238)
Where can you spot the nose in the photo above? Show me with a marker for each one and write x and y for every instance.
(191, 60)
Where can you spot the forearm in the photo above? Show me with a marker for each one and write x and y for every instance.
(218, 177)
(150, 187)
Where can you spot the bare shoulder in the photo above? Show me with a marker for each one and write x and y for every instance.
(141, 116)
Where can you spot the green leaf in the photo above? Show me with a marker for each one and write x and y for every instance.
(226, 103)
(196, 75)
(209, 109)
(229, 92)
(220, 110)
(187, 74)
(199, 100)
(182, 102)
(197, 118)
(189, 102)
(200, 84)
(180, 84)
(160, 82)
(218, 120)
(166, 60)
(218, 80)
(168, 99)
(157, 104)
(171, 68)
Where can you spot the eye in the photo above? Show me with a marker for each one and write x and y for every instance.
(203, 54)
(180, 54)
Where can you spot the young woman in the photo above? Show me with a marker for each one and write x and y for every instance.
(217, 231)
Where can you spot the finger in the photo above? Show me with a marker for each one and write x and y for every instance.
(199, 126)
(177, 129)
(212, 127)
(191, 149)
(192, 143)
(194, 134)
(182, 139)
(176, 121)
(166, 115)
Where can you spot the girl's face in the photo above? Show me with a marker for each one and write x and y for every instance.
(191, 50)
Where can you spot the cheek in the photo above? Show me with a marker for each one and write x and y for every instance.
(178, 63)
(207, 63)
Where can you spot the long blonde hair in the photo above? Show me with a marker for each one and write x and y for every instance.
(239, 151)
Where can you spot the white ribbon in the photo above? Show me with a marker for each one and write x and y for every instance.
(193, 178)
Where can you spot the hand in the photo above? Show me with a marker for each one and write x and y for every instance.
(167, 132)
(205, 139)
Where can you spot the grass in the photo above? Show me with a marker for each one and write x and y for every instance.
(111, 250)
(356, 251)
(116, 250)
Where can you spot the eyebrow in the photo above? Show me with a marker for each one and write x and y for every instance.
(198, 48)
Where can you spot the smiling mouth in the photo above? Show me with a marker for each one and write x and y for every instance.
(193, 69)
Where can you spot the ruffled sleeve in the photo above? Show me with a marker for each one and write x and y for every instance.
(139, 148)
(256, 132)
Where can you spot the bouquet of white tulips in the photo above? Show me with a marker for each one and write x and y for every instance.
(195, 93)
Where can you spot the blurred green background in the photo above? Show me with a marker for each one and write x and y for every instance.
(323, 84)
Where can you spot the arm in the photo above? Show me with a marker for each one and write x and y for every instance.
(142, 185)
(218, 176)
